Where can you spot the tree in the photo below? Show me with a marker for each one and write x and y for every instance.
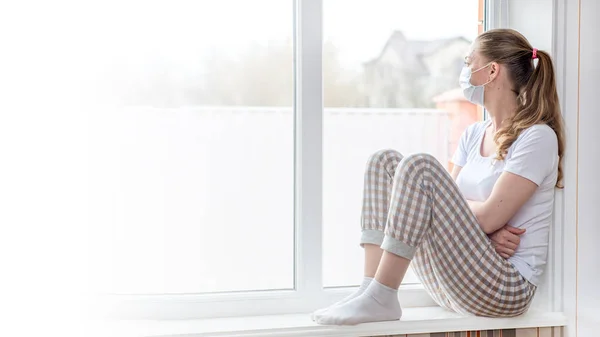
(263, 76)
(260, 75)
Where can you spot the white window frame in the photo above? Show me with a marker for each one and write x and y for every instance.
(563, 269)
(308, 294)
(496, 14)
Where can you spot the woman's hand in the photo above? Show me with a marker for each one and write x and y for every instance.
(506, 240)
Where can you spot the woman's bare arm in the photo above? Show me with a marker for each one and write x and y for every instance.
(509, 194)
(455, 171)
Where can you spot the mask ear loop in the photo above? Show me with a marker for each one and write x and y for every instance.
(486, 83)
(485, 66)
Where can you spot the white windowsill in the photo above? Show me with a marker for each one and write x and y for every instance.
(414, 320)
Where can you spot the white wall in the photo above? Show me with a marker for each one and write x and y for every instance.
(588, 248)
(569, 28)
(576, 31)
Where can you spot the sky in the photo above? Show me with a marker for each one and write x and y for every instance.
(359, 28)
(67, 39)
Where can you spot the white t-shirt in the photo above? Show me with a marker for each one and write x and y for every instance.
(534, 155)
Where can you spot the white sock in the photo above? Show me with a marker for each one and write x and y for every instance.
(363, 286)
(377, 303)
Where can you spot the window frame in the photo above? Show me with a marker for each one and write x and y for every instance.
(308, 293)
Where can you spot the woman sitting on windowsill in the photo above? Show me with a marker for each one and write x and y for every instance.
(454, 226)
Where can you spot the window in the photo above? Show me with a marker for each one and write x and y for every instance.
(199, 148)
(216, 183)
(390, 81)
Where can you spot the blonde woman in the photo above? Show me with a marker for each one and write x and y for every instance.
(477, 237)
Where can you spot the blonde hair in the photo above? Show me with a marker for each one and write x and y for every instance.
(535, 87)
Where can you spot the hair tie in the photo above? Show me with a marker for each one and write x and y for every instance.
(534, 56)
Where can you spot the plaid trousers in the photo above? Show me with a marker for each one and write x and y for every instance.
(413, 208)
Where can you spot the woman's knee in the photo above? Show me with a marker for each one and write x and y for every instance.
(385, 158)
(419, 160)
(418, 164)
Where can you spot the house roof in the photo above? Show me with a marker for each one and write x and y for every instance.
(412, 51)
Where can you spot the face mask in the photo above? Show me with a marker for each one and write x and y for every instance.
(473, 93)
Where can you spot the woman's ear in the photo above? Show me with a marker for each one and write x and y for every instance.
(494, 69)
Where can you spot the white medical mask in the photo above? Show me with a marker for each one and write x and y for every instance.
(473, 93)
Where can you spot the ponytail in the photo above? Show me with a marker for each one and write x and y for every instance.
(535, 85)
(538, 104)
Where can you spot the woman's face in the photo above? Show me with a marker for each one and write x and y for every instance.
(480, 67)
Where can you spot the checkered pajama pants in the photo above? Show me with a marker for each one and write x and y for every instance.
(413, 208)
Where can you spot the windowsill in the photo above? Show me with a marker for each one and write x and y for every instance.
(414, 320)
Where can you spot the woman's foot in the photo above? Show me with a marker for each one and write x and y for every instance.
(363, 286)
(377, 303)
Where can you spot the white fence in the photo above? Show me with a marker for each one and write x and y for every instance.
(201, 199)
